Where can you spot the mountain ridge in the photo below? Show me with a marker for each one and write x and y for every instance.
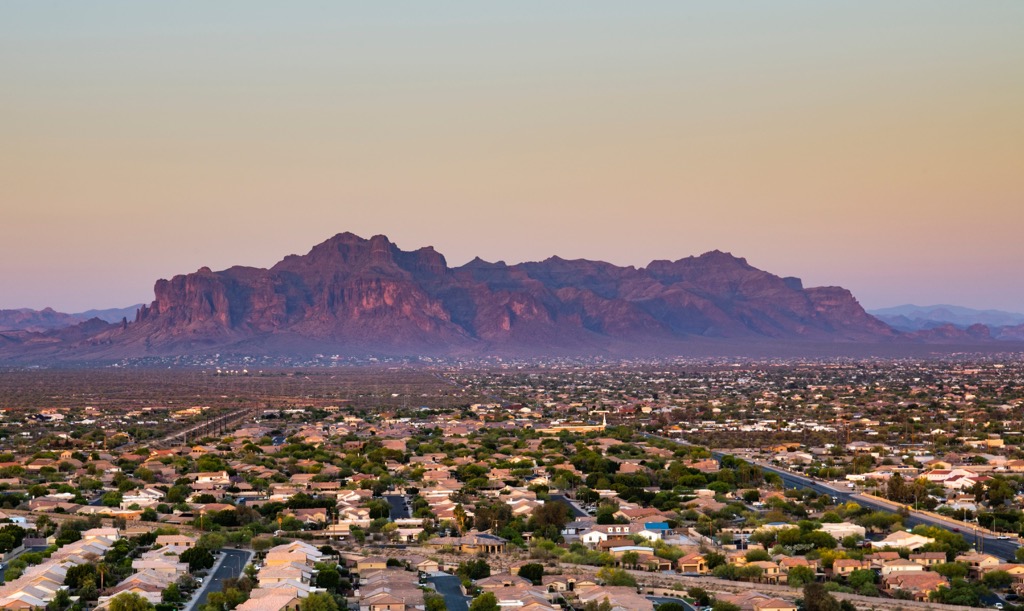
(918, 318)
(351, 295)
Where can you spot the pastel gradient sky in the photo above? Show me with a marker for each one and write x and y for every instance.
(876, 145)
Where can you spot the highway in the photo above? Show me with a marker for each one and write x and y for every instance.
(203, 428)
(1004, 548)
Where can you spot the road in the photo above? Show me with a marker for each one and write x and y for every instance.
(204, 428)
(449, 587)
(1004, 548)
(576, 511)
(661, 600)
(399, 509)
(231, 566)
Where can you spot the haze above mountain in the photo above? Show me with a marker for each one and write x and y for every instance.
(356, 296)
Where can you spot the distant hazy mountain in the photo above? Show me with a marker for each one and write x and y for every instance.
(24, 319)
(48, 319)
(111, 314)
(918, 318)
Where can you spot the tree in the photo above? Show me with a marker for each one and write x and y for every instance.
(212, 541)
(616, 577)
(78, 574)
(799, 575)
(851, 541)
(319, 601)
(390, 531)
(699, 596)
(860, 578)
(111, 499)
(6, 542)
(44, 525)
(951, 570)
(459, 514)
(61, 600)
(997, 579)
(819, 539)
(999, 492)
(328, 577)
(197, 558)
(750, 572)
(714, 560)
(721, 605)
(485, 602)
(474, 569)
(630, 559)
(379, 509)
(816, 598)
(959, 592)
(434, 601)
(549, 519)
(171, 594)
(606, 514)
(533, 571)
(129, 601)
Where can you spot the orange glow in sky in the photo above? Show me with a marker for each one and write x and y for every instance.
(873, 145)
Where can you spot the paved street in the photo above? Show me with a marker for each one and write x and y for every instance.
(576, 511)
(231, 566)
(448, 586)
(661, 600)
(398, 508)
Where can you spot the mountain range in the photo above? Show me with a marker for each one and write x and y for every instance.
(917, 318)
(25, 319)
(356, 296)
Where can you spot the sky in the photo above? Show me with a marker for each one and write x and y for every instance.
(874, 145)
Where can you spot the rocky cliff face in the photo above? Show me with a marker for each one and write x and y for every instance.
(349, 294)
(352, 295)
